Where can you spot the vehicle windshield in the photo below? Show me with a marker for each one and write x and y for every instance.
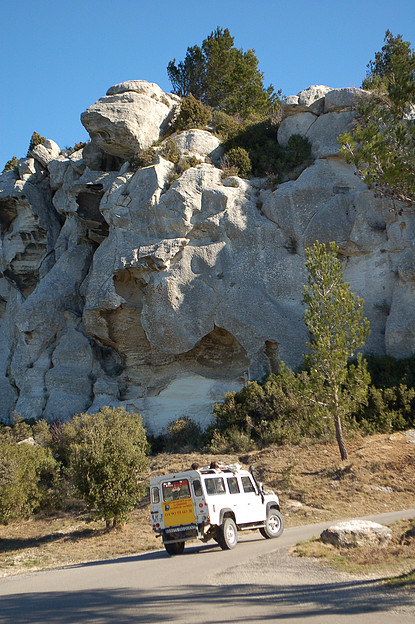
(175, 490)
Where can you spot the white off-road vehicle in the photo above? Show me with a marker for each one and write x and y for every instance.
(212, 503)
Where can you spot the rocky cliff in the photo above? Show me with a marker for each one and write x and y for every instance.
(122, 288)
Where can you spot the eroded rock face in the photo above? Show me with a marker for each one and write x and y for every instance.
(123, 288)
(129, 118)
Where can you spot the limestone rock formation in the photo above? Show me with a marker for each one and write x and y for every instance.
(121, 287)
(130, 117)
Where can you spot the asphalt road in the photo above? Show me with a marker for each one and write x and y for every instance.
(256, 583)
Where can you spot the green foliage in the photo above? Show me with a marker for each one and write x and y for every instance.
(388, 372)
(334, 318)
(185, 163)
(28, 478)
(193, 114)
(143, 158)
(277, 411)
(239, 159)
(382, 146)
(170, 151)
(222, 77)
(36, 139)
(392, 72)
(11, 164)
(78, 146)
(225, 126)
(107, 456)
(387, 410)
(183, 434)
(266, 156)
(391, 398)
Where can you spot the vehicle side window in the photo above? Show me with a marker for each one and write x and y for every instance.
(233, 485)
(247, 485)
(215, 486)
(155, 495)
(197, 488)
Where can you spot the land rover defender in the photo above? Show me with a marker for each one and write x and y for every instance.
(212, 503)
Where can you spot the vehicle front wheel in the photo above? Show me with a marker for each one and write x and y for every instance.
(176, 548)
(274, 524)
(227, 535)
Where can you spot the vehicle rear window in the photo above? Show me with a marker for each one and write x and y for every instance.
(233, 485)
(215, 486)
(175, 490)
(247, 485)
(155, 495)
(197, 488)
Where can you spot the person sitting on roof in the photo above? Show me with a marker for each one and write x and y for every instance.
(214, 465)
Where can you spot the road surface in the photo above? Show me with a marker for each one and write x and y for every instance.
(256, 583)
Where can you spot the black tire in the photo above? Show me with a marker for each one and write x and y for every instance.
(274, 524)
(227, 534)
(176, 548)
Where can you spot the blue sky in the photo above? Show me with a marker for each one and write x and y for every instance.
(58, 57)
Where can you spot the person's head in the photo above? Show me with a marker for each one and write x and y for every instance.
(214, 464)
(195, 466)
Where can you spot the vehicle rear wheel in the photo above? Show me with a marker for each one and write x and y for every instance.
(227, 535)
(176, 548)
(274, 524)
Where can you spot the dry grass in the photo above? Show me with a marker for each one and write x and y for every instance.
(392, 559)
(378, 477)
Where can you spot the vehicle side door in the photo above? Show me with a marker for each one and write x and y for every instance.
(254, 510)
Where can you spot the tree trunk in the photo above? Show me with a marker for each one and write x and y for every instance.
(338, 427)
(339, 436)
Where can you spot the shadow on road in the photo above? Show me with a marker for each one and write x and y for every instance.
(216, 603)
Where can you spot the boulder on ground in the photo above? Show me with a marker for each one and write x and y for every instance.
(356, 533)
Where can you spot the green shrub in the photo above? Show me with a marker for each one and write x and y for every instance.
(36, 139)
(11, 164)
(107, 458)
(183, 435)
(193, 114)
(387, 372)
(76, 147)
(226, 127)
(298, 151)
(28, 479)
(170, 151)
(388, 410)
(185, 163)
(266, 155)
(143, 158)
(239, 158)
(227, 169)
(277, 411)
(391, 400)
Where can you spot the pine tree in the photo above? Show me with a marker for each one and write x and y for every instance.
(222, 77)
(382, 146)
(334, 318)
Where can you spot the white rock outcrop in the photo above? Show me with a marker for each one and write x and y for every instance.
(120, 287)
(129, 118)
(353, 533)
